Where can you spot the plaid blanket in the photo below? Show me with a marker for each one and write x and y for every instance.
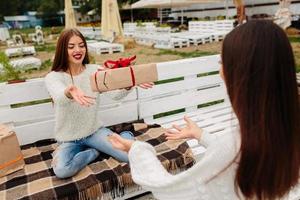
(105, 177)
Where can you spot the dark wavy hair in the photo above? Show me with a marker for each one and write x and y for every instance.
(61, 54)
(259, 71)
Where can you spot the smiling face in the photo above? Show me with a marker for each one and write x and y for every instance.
(76, 50)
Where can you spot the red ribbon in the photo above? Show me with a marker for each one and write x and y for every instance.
(122, 62)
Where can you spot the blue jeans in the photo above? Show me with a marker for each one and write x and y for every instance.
(71, 157)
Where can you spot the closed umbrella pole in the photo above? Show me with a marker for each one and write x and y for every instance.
(181, 16)
(70, 21)
(226, 6)
(283, 16)
(111, 25)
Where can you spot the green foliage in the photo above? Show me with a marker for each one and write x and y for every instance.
(19, 7)
(221, 17)
(294, 39)
(185, 54)
(46, 64)
(162, 25)
(10, 7)
(48, 8)
(89, 5)
(9, 72)
(139, 23)
(84, 9)
(207, 18)
(298, 68)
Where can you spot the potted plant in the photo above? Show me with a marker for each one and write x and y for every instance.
(10, 74)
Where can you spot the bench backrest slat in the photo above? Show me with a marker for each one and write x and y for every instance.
(199, 83)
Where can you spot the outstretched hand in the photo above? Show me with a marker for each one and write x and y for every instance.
(120, 143)
(190, 131)
(79, 96)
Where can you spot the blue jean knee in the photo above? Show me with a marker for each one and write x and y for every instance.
(100, 141)
(127, 135)
(70, 159)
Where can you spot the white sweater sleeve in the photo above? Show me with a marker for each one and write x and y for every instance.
(147, 171)
(208, 138)
(56, 89)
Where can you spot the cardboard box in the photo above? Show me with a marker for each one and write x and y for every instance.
(124, 77)
(11, 158)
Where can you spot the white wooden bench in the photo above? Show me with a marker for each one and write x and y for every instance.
(26, 63)
(104, 47)
(217, 29)
(129, 28)
(90, 32)
(196, 84)
(20, 51)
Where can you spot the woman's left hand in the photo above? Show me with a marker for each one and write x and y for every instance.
(120, 143)
(146, 85)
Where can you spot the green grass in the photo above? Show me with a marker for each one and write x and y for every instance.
(298, 68)
(294, 39)
(45, 47)
(185, 54)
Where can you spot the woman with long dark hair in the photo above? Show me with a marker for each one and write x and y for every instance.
(258, 160)
(78, 127)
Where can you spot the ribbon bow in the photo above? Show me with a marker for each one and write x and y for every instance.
(122, 62)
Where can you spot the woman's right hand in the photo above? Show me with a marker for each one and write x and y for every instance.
(190, 131)
(120, 143)
(75, 93)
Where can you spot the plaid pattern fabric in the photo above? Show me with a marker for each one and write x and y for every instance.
(105, 177)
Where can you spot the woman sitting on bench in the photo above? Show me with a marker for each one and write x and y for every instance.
(78, 129)
(258, 160)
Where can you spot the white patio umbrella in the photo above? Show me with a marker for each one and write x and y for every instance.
(169, 4)
(111, 25)
(70, 21)
(283, 16)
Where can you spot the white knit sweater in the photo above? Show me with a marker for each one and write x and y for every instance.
(196, 182)
(73, 121)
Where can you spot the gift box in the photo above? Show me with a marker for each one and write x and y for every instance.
(123, 77)
(11, 158)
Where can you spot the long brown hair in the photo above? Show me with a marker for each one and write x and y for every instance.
(61, 55)
(259, 71)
